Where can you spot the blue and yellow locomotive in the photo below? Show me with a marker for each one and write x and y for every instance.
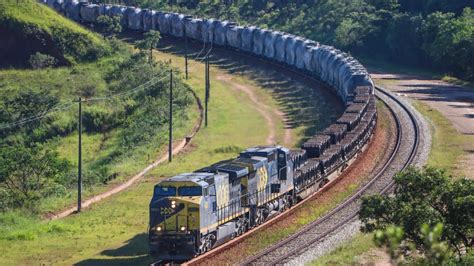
(194, 212)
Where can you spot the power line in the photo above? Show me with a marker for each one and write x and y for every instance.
(59, 107)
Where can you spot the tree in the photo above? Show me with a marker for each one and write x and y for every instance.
(110, 25)
(29, 173)
(151, 40)
(39, 60)
(437, 250)
(428, 197)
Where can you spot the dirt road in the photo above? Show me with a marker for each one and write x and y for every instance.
(453, 102)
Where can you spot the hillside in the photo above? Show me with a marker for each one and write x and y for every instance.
(124, 122)
(31, 27)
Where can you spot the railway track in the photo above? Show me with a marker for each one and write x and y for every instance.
(402, 156)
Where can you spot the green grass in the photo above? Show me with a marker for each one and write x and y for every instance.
(114, 230)
(448, 145)
(31, 13)
(349, 253)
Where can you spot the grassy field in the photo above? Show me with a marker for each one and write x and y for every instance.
(448, 145)
(113, 231)
(34, 14)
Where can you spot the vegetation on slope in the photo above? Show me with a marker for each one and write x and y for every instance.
(28, 28)
(124, 121)
(437, 33)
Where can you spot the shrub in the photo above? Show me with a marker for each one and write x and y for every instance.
(40, 60)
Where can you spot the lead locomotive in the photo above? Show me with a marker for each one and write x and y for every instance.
(191, 213)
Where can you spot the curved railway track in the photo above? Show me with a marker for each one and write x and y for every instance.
(401, 157)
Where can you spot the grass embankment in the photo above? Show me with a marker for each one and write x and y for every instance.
(33, 27)
(113, 231)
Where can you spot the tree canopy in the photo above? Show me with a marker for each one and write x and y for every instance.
(424, 202)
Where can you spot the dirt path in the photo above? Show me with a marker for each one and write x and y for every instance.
(263, 109)
(178, 146)
(453, 102)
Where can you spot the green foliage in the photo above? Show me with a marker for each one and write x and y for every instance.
(40, 60)
(150, 41)
(46, 30)
(110, 25)
(422, 33)
(28, 174)
(423, 199)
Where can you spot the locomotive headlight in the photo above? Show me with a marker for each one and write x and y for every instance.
(158, 228)
(173, 204)
(183, 228)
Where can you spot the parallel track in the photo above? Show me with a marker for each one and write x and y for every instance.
(291, 247)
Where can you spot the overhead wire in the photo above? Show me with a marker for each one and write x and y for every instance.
(66, 105)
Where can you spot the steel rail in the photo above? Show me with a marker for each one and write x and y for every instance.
(299, 249)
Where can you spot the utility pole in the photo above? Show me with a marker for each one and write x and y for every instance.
(206, 97)
(79, 165)
(185, 53)
(170, 144)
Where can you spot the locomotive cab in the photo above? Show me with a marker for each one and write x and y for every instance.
(175, 216)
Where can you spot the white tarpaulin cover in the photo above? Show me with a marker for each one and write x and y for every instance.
(234, 37)
(259, 37)
(247, 38)
(89, 13)
(135, 19)
(193, 28)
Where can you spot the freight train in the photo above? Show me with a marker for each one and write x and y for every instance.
(194, 212)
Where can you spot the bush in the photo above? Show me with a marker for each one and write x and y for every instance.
(40, 60)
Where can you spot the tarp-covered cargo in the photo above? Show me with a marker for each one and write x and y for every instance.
(234, 37)
(361, 98)
(135, 19)
(298, 157)
(331, 158)
(259, 37)
(370, 117)
(220, 36)
(316, 145)
(193, 28)
(303, 53)
(149, 20)
(177, 24)
(290, 49)
(309, 59)
(350, 145)
(104, 10)
(247, 39)
(361, 90)
(73, 10)
(337, 132)
(117, 11)
(307, 174)
(349, 119)
(208, 30)
(164, 22)
(358, 108)
(90, 13)
(269, 44)
(280, 47)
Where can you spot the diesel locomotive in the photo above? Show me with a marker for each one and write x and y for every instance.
(193, 212)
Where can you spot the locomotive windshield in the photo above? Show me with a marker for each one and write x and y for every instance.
(164, 191)
(190, 191)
